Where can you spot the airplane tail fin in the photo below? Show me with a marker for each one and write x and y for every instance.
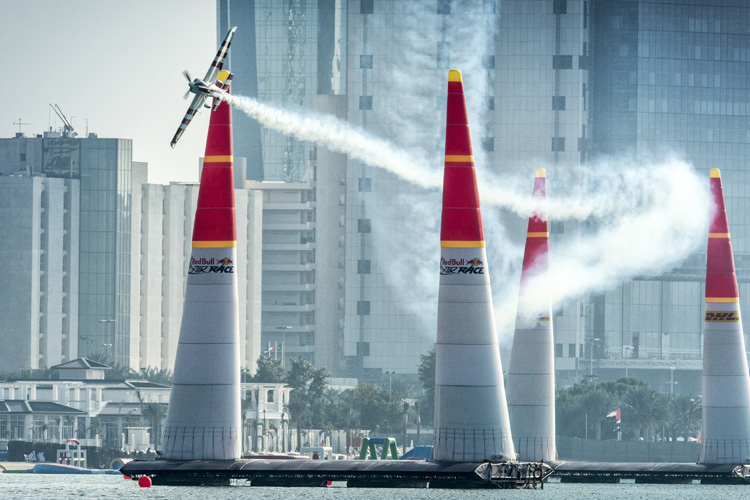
(225, 77)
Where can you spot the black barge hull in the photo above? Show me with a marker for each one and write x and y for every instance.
(357, 473)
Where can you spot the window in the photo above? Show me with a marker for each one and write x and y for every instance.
(269, 397)
(17, 426)
(365, 184)
(365, 61)
(23, 156)
(365, 102)
(363, 307)
(558, 144)
(363, 267)
(558, 350)
(363, 348)
(367, 7)
(489, 102)
(562, 62)
(560, 7)
(558, 103)
(488, 143)
(364, 225)
(571, 350)
(488, 62)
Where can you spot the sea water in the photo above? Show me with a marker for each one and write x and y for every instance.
(91, 487)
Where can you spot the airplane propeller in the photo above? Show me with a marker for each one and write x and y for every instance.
(187, 76)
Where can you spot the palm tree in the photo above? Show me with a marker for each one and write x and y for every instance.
(646, 411)
(686, 415)
(154, 413)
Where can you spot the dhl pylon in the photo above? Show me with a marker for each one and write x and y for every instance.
(531, 374)
(471, 414)
(726, 384)
(203, 421)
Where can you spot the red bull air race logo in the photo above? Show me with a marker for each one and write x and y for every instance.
(461, 266)
(212, 265)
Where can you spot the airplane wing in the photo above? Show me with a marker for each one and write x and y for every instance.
(198, 101)
(220, 55)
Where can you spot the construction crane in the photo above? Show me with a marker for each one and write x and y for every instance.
(67, 127)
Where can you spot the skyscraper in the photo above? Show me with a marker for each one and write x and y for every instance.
(671, 77)
(559, 84)
(102, 168)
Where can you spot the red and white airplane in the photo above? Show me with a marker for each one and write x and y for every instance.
(213, 85)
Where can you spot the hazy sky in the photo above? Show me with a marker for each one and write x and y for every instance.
(117, 64)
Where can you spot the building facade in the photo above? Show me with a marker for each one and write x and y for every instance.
(162, 238)
(102, 169)
(39, 224)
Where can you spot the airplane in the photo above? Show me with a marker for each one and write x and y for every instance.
(213, 85)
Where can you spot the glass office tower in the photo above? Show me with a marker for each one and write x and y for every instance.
(671, 77)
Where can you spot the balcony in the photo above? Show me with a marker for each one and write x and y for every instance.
(288, 226)
(286, 287)
(289, 246)
(288, 267)
(287, 307)
(289, 205)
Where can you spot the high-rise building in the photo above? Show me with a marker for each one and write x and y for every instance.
(303, 259)
(102, 168)
(671, 77)
(39, 220)
(162, 230)
(558, 84)
(286, 54)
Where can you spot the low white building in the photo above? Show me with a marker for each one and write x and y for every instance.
(266, 418)
(82, 391)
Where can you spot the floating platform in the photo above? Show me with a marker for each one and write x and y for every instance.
(356, 473)
(649, 472)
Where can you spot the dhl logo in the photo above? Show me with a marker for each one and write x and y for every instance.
(724, 316)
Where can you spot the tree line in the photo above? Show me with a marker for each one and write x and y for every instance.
(313, 404)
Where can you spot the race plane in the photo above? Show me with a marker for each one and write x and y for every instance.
(212, 85)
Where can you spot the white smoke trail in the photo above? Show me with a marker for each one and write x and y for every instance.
(339, 136)
(652, 216)
(597, 192)
(655, 235)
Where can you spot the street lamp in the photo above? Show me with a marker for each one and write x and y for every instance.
(406, 420)
(671, 380)
(591, 340)
(390, 384)
(419, 420)
(107, 344)
(627, 350)
(283, 343)
(264, 430)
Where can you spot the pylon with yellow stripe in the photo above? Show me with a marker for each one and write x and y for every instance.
(471, 414)
(726, 383)
(203, 421)
(531, 374)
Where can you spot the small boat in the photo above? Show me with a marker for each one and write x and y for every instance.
(50, 468)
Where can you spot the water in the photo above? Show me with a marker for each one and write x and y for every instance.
(46, 487)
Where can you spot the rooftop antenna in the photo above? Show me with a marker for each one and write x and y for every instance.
(20, 123)
(67, 127)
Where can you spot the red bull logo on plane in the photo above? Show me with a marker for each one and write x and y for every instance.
(461, 266)
(203, 265)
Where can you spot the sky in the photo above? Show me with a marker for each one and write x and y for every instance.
(112, 66)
